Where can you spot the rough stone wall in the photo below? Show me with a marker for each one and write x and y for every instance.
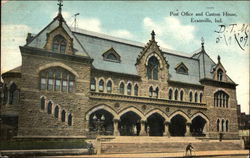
(33, 120)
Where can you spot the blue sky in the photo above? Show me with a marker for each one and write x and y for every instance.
(134, 21)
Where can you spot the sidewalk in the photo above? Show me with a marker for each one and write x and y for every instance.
(156, 155)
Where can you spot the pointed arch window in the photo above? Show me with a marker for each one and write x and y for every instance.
(49, 107)
(222, 125)
(63, 115)
(121, 88)
(109, 86)
(227, 126)
(56, 112)
(218, 125)
(101, 85)
(156, 92)
(153, 68)
(201, 95)
(42, 103)
(70, 120)
(170, 94)
(136, 90)
(92, 84)
(181, 95)
(195, 97)
(176, 95)
(219, 74)
(190, 97)
(221, 99)
(151, 91)
(129, 87)
(57, 79)
(59, 44)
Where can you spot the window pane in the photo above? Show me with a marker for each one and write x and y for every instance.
(129, 89)
(58, 85)
(50, 84)
(136, 90)
(71, 86)
(62, 49)
(43, 83)
(92, 85)
(64, 85)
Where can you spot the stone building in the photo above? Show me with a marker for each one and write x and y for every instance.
(81, 83)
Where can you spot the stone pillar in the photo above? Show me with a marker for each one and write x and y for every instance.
(188, 124)
(166, 131)
(143, 132)
(115, 125)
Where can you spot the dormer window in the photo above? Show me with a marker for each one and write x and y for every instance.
(181, 68)
(111, 55)
(59, 44)
(219, 74)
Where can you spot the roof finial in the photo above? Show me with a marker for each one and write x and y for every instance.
(218, 59)
(202, 42)
(60, 6)
(153, 35)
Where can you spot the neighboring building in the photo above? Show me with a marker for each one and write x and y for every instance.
(80, 83)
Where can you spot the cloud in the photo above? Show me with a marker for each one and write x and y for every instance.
(170, 27)
(12, 36)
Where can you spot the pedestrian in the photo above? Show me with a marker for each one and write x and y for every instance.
(189, 148)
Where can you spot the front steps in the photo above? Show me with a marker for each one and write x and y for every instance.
(141, 144)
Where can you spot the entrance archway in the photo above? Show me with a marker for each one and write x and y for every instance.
(129, 124)
(177, 126)
(101, 121)
(155, 125)
(197, 126)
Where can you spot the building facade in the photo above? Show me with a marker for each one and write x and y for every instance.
(81, 83)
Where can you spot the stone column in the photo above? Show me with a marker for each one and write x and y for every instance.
(115, 125)
(166, 131)
(188, 124)
(143, 132)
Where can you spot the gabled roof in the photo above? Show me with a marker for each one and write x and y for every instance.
(39, 40)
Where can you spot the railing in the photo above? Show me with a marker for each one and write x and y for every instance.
(144, 100)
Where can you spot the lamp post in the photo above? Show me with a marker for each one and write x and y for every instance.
(99, 123)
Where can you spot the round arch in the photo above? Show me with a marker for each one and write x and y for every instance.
(101, 107)
(132, 109)
(180, 113)
(54, 64)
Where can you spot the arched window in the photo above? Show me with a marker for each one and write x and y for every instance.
(156, 92)
(49, 107)
(42, 103)
(59, 44)
(57, 79)
(176, 95)
(219, 74)
(101, 85)
(70, 120)
(122, 88)
(222, 125)
(136, 90)
(63, 116)
(181, 95)
(190, 96)
(13, 94)
(109, 86)
(129, 87)
(170, 94)
(151, 91)
(201, 95)
(227, 126)
(195, 97)
(152, 68)
(56, 112)
(92, 84)
(218, 125)
(221, 99)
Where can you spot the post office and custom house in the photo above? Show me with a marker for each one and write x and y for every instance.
(74, 82)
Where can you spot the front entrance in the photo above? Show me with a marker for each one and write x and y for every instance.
(101, 122)
(197, 126)
(129, 124)
(177, 126)
(155, 125)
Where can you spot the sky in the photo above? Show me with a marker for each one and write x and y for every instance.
(178, 26)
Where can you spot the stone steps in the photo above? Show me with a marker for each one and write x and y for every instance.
(161, 144)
